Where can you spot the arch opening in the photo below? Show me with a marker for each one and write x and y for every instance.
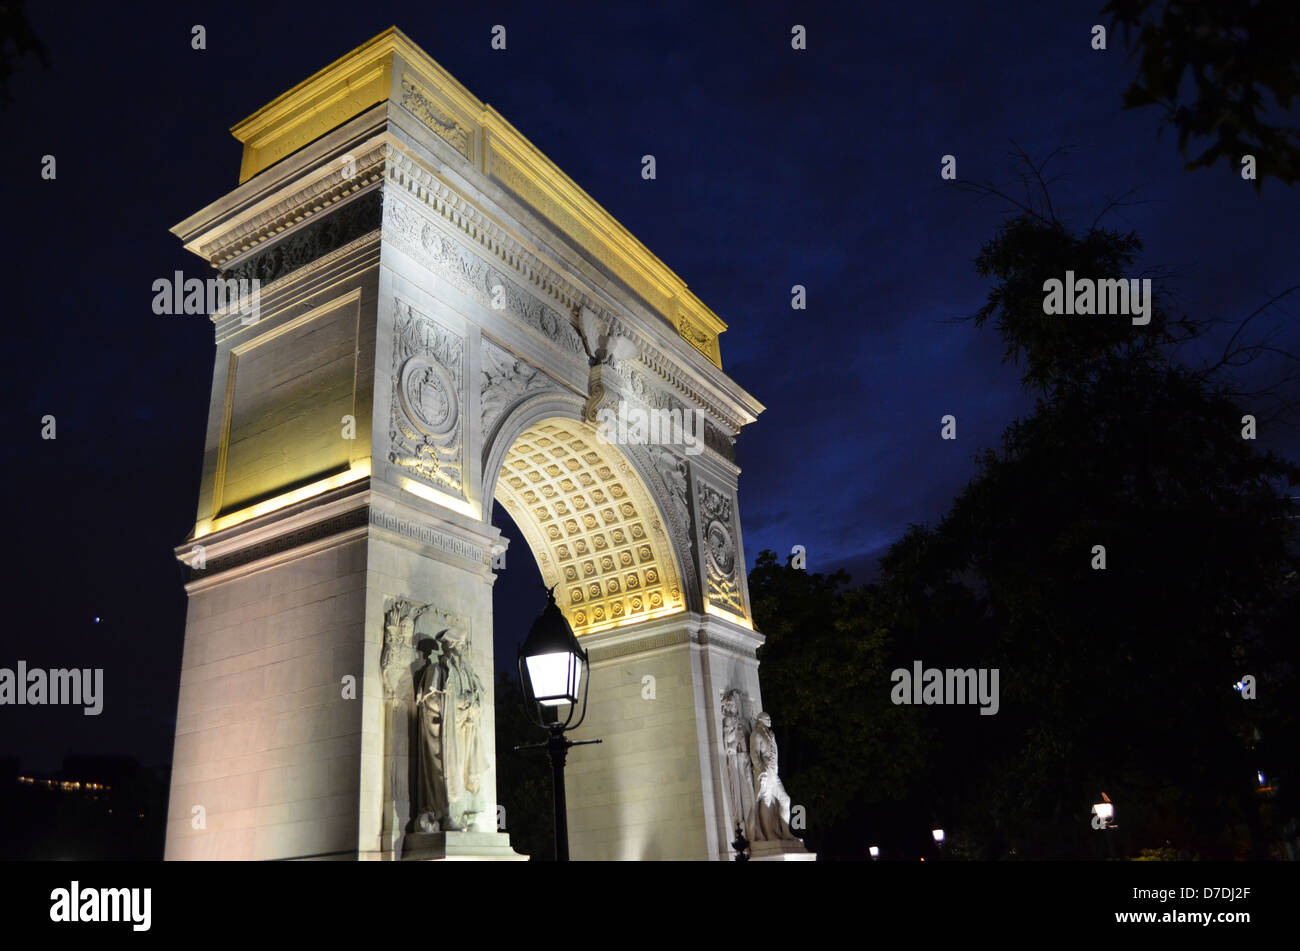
(592, 525)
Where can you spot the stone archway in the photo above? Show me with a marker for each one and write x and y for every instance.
(591, 523)
(442, 313)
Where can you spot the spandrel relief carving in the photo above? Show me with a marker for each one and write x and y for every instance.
(720, 552)
(425, 430)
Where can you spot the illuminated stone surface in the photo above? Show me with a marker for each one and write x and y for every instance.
(423, 273)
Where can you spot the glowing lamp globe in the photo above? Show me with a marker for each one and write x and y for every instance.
(552, 669)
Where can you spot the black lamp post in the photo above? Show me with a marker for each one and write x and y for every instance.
(552, 669)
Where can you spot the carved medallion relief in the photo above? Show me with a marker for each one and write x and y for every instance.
(722, 582)
(425, 431)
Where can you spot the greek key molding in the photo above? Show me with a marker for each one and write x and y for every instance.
(427, 535)
(746, 648)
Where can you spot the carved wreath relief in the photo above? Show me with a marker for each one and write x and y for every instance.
(425, 414)
(435, 757)
(722, 583)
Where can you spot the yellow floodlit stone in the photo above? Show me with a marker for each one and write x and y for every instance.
(391, 67)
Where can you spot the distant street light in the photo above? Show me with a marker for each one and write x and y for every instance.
(1105, 813)
(875, 852)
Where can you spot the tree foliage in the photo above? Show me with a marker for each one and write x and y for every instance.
(1116, 679)
(17, 39)
(1213, 66)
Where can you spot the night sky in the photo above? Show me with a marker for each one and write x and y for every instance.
(775, 168)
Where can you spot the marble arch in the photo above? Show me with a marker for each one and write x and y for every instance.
(442, 314)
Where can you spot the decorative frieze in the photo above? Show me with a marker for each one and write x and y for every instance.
(419, 102)
(474, 276)
(427, 535)
(403, 171)
(314, 240)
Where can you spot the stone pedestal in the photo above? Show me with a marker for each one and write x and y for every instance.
(780, 850)
(463, 846)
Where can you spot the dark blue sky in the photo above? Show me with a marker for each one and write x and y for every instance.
(775, 168)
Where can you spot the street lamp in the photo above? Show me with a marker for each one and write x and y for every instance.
(937, 834)
(552, 669)
(1105, 821)
(874, 851)
(1105, 813)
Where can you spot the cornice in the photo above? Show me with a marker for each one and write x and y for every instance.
(719, 632)
(405, 169)
(384, 159)
(292, 207)
(389, 74)
(326, 520)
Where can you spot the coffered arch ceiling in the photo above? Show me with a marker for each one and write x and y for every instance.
(591, 523)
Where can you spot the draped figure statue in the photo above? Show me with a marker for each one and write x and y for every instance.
(735, 743)
(451, 760)
(399, 664)
(769, 818)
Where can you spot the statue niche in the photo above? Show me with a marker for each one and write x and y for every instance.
(434, 699)
(735, 743)
(754, 788)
